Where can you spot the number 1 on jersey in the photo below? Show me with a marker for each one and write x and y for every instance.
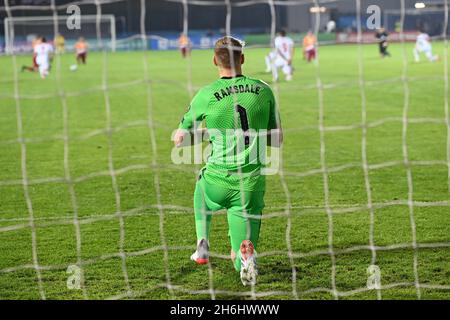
(244, 122)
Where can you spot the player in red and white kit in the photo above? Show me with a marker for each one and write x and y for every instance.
(281, 56)
(35, 66)
(423, 45)
(44, 53)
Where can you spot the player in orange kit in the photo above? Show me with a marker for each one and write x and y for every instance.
(81, 48)
(184, 44)
(309, 46)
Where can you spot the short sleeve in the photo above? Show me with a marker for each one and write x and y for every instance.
(197, 110)
(274, 117)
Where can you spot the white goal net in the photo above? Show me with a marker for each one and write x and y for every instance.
(20, 30)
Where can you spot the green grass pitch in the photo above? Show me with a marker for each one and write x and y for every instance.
(138, 168)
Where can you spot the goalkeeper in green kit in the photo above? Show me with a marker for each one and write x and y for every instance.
(241, 120)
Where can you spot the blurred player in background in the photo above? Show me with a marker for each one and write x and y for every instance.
(35, 66)
(331, 26)
(59, 43)
(423, 45)
(281, 56)
(44, 55)
(81, 49)
(185, 45)
(234, 103)
(382, 36)
(309, 46)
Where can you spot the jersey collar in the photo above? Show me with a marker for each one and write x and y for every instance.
(237, 76)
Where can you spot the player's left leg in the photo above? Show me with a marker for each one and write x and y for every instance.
(207, 198)
(244, 222)
(430, 56)
(268, 61)
(416, 54)
(43, 70)
(313, 54)
(288, 71)
(381, 49)
(31, 69)
(385, 52)
(274, 62)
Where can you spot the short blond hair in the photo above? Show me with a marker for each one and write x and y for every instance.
(224, 48)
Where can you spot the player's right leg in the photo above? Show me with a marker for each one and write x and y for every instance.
(244, 222)
(249, 269)
(31, 69)
(416, 55)
(288, 71)
(268, 60)
(430, 56)
(35, 66)
(276, 64)
(311, 55)
(385, 50)
(43, 70)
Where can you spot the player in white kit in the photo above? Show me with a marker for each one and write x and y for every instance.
(423, 45)
(281, 56)
(44, 52)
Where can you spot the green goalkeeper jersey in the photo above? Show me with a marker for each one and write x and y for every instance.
(237, 112)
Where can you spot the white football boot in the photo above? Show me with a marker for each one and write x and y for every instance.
(249, 270)
(201, 255)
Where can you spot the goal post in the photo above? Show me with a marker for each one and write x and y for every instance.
(99, 30)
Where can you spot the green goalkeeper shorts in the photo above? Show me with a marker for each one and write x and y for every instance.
(244, 211)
